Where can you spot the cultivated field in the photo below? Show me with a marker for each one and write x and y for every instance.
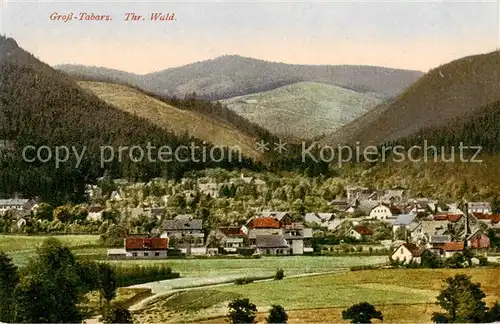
(403, 295)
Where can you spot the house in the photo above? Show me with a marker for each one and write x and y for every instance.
(16, 204)
(272, 245)
(365, 206)
(184, 233)
(95, 213)
(357, 193)
(478, 240)
(415, 232)
(403, 221)
(231, 238)
(115, 196)
(384, 212)
(488, 219)
(145, 247)
(263, 226)
(479, 207)
(451, 248)
(242, 178)
(437, 242)
(211, 189)
(360, 232)
(407, 253)
(321, 219)
(298, 237)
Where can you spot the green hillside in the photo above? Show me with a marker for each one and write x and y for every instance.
(304, 109)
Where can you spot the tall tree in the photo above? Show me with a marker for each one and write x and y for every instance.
(9, 279)
(51, 289)
(462, 301)
(107, 284)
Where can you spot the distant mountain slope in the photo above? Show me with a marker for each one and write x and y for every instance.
(455, 90)
(178, 121)
(43, 107)
(304, 109)
(232, 75)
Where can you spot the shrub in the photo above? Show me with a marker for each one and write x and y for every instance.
(361, 313)
(118, 313)
(242, 311)
(243, 281)
(277, 314)
(246, 251)
(280, 274)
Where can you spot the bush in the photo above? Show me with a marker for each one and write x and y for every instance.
(243, 281)
(280, 274)
(277, 314)
(242, 311)
(118, 313)
(362, 313)
(246, 251)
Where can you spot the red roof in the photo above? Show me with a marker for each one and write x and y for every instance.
(264, 222)
(453, 246)
(449, 217)
(394, 209)
(145, 243)
(495, 218)
(232, 231)
(415, 250)
(363, 230)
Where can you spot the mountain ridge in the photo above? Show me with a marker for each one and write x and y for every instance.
(233, 75)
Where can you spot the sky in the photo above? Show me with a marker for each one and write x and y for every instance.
(417, 35)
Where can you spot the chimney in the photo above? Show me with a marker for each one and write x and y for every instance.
(466, 208)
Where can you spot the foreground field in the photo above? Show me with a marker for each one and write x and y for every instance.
(22, 247)
(403, 295)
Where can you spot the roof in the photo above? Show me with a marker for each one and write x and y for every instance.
(447, 217)
(363, 230)
(438, 239)
(394, 209)
(318, 217)
(366, 206)
(183, 217)
(231, 231)
(179, 224)
(95, 209)
(270, 241)
(453, 246)
(145, 243)
(264, 222)
(404, 219)
(414, 249)
(278, 215)
(13, 202)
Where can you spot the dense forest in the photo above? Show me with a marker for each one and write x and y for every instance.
(482, 129)
(43, 107)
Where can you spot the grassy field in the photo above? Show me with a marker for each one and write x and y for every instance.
(262, 266)
(22, 247)
(403, 295)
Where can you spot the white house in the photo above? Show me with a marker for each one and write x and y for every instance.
(384, 212)
(360, 232)
(143, 247)
(406, 253)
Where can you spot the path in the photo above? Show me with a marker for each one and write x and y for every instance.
(167, 287)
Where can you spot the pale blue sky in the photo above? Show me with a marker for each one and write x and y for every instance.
(414, 35)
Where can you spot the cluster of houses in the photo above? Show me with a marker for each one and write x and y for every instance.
(269, 233)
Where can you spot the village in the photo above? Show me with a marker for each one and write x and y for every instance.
(168, 224)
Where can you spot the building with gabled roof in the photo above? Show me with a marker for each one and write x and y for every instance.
(407, 253)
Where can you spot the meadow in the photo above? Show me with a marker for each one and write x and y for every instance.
(21, 247)
(403, 295)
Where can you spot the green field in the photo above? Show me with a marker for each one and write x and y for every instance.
(321, 298)
(261, 266)
(22, 247)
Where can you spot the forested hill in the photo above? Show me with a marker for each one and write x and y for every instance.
(233, 75)
(41, 106)
(454, 90)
